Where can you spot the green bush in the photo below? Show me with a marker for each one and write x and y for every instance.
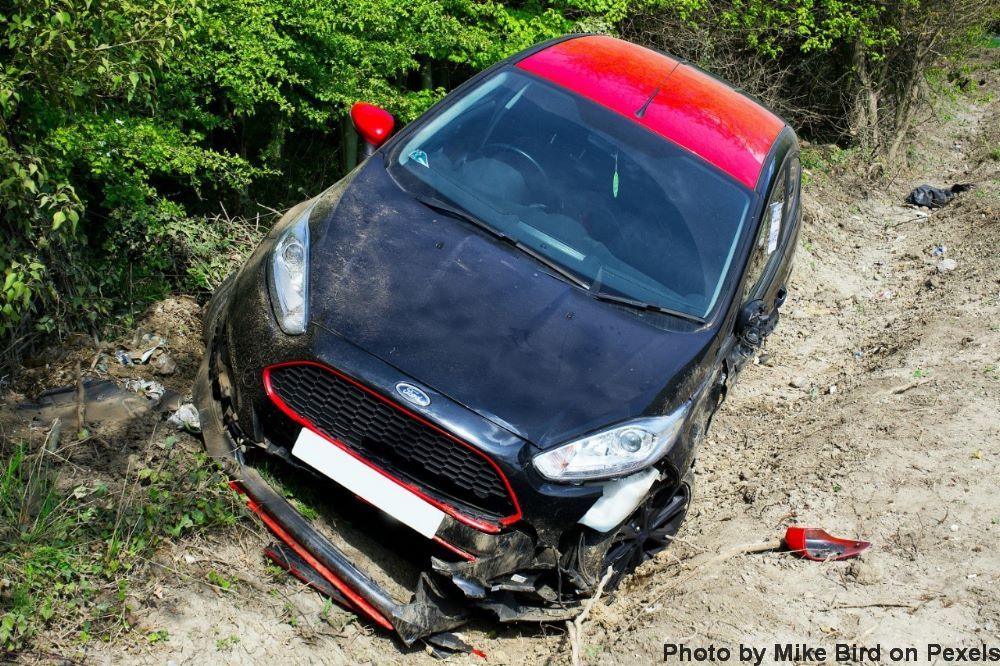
(81, 142)
(128, 128)
(851, 71)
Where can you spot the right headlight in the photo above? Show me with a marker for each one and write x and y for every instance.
(288, 276)
(616, 452)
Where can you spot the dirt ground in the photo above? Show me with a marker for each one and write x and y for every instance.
(875, 413)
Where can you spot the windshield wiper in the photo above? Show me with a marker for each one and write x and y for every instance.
(460, 214)
(642, 305)
(542, 259)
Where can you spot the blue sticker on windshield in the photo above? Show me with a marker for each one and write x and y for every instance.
(420, 157)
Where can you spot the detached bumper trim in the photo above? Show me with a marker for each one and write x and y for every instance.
(425, 615)
(355, 599)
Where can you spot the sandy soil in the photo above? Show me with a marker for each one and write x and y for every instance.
(875, 413)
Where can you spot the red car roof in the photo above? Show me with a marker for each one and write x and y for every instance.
(691, 108)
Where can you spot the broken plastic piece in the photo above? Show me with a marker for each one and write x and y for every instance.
(813, 543)
(186, 418)
(279, 531)
(620, 499)
(146, 355)
(289, 560)
(150, 389)
(446, 640)
(471, 589)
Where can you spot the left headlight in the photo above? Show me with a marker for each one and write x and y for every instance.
(288, 277)
(615, 452)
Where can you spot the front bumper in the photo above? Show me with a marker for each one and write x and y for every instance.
(533, 569)
(425, 615)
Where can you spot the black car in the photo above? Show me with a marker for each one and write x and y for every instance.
(495, 346)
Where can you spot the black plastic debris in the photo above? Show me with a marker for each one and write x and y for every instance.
(445, 644)
(929, 196)
(289, 560)
(103, 400)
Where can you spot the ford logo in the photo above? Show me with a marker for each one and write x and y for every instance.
(412, 394)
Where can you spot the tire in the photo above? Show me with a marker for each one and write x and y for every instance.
(213, 309)
(649, 530)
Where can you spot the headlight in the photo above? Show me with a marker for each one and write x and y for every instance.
(288, 279)
(615, 452)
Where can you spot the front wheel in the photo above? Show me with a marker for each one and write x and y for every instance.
(649, 530)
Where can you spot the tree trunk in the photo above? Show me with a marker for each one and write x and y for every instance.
(909, 93)
(349, 145)
(864, 121)
(427, 76)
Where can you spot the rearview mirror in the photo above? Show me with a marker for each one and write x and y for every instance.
(373, 123)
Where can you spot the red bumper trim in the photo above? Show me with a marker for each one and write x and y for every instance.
(465, 555)
(280, 532)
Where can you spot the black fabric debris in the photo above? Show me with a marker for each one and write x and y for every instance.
(929, 196)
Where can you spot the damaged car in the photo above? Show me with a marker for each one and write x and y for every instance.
(495, 347)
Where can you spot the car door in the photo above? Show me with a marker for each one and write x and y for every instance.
(766, 282)
(763, 290)
(771, 256)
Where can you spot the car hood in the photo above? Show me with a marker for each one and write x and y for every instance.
(483, 323)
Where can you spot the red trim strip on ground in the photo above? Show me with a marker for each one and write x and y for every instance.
(279, 531)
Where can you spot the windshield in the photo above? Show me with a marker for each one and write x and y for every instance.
(626, 212)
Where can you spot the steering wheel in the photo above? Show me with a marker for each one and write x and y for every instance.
(543, 176)
(600, 223)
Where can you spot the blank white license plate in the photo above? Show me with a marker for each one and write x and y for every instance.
(397, 501)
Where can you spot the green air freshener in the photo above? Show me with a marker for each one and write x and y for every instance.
(614, 180)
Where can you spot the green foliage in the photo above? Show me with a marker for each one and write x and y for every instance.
(67, 553)
(307, 61)
(124, 124)
(81, 146)
(772, 26)
(853, 72)
(220, 581)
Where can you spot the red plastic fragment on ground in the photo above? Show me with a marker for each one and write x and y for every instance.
(813, 543)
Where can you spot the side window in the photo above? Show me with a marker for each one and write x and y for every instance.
(776, 224)
(794, 188)
(769, 233)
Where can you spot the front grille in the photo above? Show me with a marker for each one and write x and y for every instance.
(392, 440)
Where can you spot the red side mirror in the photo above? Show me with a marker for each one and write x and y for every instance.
(374, 124)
